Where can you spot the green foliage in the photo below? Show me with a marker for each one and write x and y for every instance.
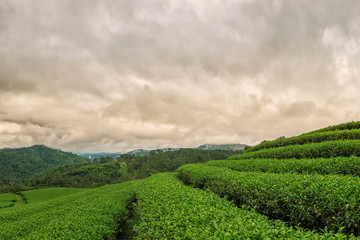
(339, 165)
(343, 126)
(17, 165)
(82, 175)
(92, 214)
(40, 195)
(170, 210)
(312, 150)
(313, 201)
(127, 167)
(308, 138)
(7, 200)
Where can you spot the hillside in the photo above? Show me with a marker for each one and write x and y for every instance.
(19, 164)
(300, 189)
(234, 147)
(309, 180)
(124, 168)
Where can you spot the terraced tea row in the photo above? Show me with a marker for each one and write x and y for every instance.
(170, 210)
(327, 149)
(339, 165)
(313, 201)
(91, 214)
(343, 126)
(308, 138)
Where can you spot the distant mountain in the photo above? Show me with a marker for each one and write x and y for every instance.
(143, 152)
(92, 156)
(235, 147)
(19, 164)
(138, 152)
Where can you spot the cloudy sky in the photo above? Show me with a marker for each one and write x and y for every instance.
(115, 75)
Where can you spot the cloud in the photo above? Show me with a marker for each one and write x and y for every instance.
(117, 75)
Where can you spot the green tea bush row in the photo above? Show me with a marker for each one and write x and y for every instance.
(343, 126)
(313, 201)
(170, 210)
(339, 165)
(308, 138)
(312, 150)
(91, 214)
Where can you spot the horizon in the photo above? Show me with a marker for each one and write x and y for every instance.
(109, 76)
(125, 152)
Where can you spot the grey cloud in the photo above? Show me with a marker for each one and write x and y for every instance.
(115, 75)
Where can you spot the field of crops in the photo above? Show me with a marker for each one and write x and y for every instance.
(170, 210)
(313, 201)
(305, 187)
(92, 214)
(311, 180)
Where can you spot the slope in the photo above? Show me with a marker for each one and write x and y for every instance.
(19, 164)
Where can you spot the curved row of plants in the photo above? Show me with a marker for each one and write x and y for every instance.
(312, 150)
(308, 138)
(343, 126)
(338, 165)
(91, 214)
(313, 201)
(170, 210)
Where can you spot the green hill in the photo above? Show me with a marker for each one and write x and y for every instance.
(234, 147)
(19, 164)
(126, 167)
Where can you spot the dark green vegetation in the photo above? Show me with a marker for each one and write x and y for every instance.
(92, 214)
(313, 201)
(126, 167)
(17, 165)
(92, 156)
(338, 165)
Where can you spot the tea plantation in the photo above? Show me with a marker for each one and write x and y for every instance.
(303, 187)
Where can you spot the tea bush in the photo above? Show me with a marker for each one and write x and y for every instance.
(308, 138)
(313, 201)
(170, 210)
(338, 165)
(312, 150)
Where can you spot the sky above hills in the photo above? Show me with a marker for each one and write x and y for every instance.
(116, 75)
